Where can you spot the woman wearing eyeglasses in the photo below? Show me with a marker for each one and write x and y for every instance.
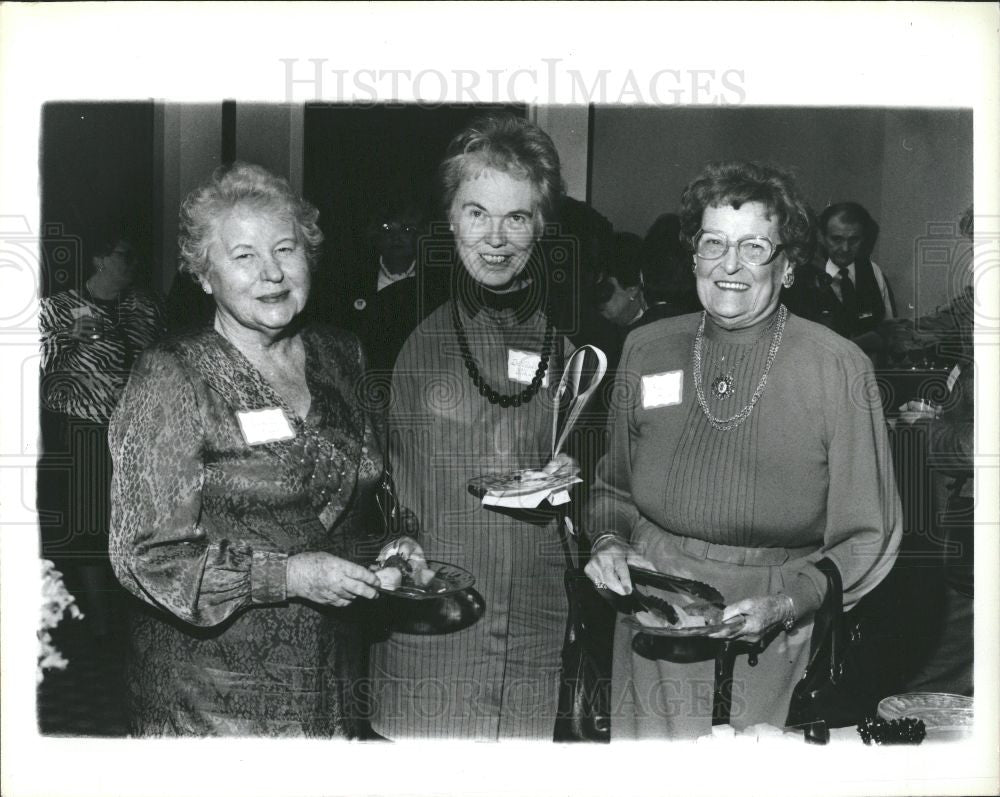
(747, 444)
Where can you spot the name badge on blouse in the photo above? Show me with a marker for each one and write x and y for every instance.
(522, 366)
(264, 426)
(662, 390)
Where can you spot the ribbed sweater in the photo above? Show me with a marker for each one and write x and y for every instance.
(810, 466)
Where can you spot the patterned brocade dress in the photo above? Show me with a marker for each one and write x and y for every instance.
(203, 523)
(498, 678)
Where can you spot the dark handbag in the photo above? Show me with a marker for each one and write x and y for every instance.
(822, 699)
(584, 712)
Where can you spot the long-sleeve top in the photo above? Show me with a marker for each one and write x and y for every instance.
(811, 465)
(83, 379)
(499, 677)
(206, 512)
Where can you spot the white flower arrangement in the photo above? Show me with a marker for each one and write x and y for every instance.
(56, 600)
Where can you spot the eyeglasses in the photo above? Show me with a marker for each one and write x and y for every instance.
(754, 250)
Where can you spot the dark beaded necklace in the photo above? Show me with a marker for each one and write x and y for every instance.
(486, 391)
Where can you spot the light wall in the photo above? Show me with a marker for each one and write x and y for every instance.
(910, 168)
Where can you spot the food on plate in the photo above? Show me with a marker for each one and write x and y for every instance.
(397, 571)
(659, 613)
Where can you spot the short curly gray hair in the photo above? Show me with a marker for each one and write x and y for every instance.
(510, 144)
(248, 185)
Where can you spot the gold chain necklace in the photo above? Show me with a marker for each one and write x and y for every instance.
(725, 424)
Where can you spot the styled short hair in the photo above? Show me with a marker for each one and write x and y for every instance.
(507, 143)
(850, 213)
(247, 185)
(734, 183)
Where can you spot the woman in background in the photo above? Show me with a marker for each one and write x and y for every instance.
(91, 336)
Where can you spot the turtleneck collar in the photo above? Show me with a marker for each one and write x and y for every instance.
(750, 334)
(473, 297)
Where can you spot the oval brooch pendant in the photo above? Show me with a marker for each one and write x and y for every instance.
(722, 386)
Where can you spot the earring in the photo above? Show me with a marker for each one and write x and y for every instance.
(789, 280)
(206, 287)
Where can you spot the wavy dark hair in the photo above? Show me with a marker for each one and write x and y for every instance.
(851, 213)
(733, 183)
(510, 144)
(240, 184)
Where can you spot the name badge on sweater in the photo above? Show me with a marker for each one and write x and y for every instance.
(662, 390)
(522, 366)
(264, 426)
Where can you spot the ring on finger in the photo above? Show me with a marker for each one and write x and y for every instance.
(601, 585)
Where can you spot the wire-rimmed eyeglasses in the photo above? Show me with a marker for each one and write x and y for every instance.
(754, 250)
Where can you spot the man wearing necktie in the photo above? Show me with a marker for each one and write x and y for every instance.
(849, 292)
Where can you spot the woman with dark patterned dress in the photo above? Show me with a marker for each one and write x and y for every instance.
(90, 338)
(472, 393)
(242, 468)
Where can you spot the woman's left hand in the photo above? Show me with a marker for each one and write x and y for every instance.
(759, 615)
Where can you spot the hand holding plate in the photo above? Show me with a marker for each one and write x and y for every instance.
(760, 615)
(608, 565)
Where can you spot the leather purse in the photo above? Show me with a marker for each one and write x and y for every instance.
(822, 698)
(584, 711)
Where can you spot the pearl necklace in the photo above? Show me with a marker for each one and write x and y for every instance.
(726, 424)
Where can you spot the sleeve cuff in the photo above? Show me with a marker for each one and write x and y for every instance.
(806, 589)
(268, 577)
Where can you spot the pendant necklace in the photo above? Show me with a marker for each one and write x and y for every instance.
(726, 424)
(723, 384)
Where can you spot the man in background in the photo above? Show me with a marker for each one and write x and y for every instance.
(846, 291)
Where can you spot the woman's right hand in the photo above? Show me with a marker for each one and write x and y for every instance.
(608, 565)
(327, 579)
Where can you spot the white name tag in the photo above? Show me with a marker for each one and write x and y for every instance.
(662, 390)
(264, 426)
(522, 366)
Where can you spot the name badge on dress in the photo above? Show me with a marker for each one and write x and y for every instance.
(522, 366)
(662, 390)
(264, 426)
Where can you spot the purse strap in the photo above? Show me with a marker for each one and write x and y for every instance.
(828, 624)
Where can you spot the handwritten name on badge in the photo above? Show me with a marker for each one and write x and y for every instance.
(662, 390)
(522, 365)
(264, 426)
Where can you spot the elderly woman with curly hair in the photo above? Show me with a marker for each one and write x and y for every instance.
(746, 444)
(242, 467)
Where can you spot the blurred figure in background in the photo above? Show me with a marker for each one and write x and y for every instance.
(618, 291)
(946, 660)
(90, 336)
(847, 291)
(667, 281)
(393, 294)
